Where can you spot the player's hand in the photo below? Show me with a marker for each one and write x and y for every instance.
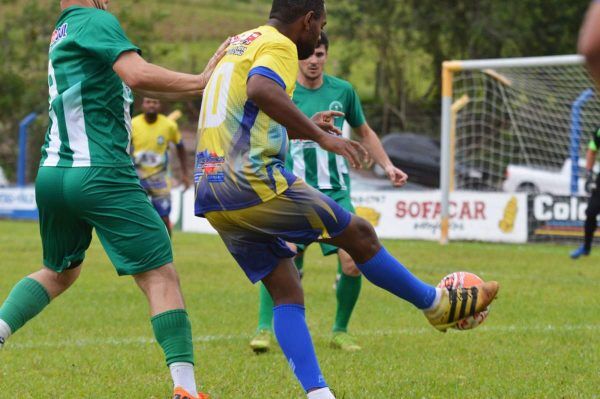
(186, 181)
(397, 177)
(212, 63)
(590, 182)
(326, 119)
(353, 151)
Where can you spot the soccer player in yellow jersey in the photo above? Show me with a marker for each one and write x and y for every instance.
(256, 205)
(152, 135)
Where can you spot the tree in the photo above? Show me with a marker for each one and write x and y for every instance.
(23, 76)
(405, 32)
(26, 31)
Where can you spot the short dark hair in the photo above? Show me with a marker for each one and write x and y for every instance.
(323, 41)
(288, 11)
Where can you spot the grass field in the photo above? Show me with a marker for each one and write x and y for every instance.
(541, 339)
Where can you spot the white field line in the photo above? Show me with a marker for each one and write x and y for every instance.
(543, 329)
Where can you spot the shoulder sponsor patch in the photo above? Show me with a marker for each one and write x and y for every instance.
(239, 44)
(59, 34)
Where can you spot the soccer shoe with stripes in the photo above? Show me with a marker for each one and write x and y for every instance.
(261, 342)
(345, 342)
(181, 393)
(460, 303)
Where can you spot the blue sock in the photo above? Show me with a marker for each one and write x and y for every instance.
(294, 339)
(386, 272)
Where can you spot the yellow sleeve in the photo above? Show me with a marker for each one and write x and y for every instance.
(277, 61)
(135, 129)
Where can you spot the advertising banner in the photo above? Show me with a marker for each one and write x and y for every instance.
(18, 203)
(556, 217)
(478, 216)
(496, 217)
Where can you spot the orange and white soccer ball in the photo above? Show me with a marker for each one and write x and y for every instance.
(465, 280)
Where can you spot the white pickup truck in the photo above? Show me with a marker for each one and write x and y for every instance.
(539, 180)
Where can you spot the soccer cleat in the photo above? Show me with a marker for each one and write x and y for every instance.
(181, 393)
(458, 304)
(345, 342)
(261, 342)
(579, 252)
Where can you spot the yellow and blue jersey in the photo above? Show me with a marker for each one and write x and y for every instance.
(241, 151)
(150, 144)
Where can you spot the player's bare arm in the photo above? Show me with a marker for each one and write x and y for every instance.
(589, 40)
(273, 100)
(185, 176)
(371, 141)
(157, 82)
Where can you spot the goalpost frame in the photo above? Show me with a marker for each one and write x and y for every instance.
(449, 68)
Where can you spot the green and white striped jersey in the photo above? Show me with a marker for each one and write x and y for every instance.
(319, 168)
(90, 120)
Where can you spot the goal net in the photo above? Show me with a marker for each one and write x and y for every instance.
(510, 117)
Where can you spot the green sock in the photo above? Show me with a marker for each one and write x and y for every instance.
(25, 301)
(265, 309)
(265, 306)
(173, 333)
(347, 292)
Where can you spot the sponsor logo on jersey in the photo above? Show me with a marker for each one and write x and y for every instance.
(245, 40)
(160, 140)
(58, 34)
(239, 44)
(237, 50)
(336, 106)
(209, 164)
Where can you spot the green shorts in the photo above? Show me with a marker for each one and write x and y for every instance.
(342, 198)
(73, 201)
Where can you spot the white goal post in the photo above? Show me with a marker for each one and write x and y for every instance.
(513, 110)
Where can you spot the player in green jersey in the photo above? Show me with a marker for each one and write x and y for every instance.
(329, 173)
(86, 179)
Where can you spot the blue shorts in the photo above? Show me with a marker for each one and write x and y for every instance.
(158, 189)
(256, 236)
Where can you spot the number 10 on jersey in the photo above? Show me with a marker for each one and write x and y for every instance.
(214, 105)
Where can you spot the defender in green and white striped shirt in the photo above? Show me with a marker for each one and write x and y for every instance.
(86, 179)
(329, 173)
(321, 169)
